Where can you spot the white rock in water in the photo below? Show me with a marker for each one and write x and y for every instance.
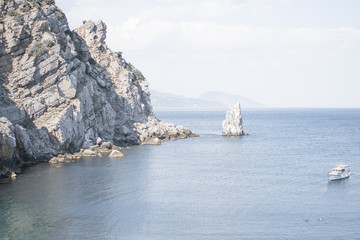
(116, 154)
(233, 124)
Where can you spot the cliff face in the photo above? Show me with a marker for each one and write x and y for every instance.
(61, 90)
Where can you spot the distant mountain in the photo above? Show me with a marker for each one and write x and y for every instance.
(229, 100)
(167, 101)
(207, 101)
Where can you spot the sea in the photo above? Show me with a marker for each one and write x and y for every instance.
(270, 184)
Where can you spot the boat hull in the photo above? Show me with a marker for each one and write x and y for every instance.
(338, 177)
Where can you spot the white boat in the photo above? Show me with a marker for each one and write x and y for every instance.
(340, 171)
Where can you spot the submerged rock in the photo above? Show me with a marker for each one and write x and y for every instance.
(233, 124)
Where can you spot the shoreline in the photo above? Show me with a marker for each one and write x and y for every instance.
(97, 150)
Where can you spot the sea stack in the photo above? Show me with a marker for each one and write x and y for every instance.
(233, 124)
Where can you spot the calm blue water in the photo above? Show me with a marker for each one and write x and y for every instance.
(271, 184)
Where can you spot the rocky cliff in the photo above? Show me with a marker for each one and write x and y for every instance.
(61, 90)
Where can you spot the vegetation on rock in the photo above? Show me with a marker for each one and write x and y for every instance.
(138, 75)
(13, 13)
(60, 15)
(26, 7)
(40, 48)
(49, 43)
(38, 4)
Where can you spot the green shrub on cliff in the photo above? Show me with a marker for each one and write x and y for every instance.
(39, 4)
(7, 1)
(60, 15)
(138, 75)
(38, 49)
(49, 43)
(19, 19)
(119, 54)
(35, 4)
(53, 89)
(13, 13)
(25, 7)
(49, 2)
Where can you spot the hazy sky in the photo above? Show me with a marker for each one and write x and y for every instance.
(282, 53)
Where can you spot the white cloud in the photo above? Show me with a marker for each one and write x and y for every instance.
(134, 34)
(337, 37)
(186, 46)
(137, 33)
(221, 36)
(137, 26)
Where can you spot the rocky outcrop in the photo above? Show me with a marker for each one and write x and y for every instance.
(63, 90)
(154, 131)
(233, 124)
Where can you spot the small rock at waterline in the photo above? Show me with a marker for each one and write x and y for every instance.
(89, 153)
(116, 154)
(152, 141)
(54, 160)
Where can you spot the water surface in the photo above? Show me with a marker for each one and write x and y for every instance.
(271, 184)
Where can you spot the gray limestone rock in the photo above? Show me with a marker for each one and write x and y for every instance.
(107, 145)
(62, 90)
(8, 145)
(233, 124)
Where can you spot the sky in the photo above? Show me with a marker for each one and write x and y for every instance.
(281, 53)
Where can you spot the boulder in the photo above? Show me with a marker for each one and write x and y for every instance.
(152, 141)
(89, 153)
(54, 160)
(233, 124)
(116, 154)
(107, 145)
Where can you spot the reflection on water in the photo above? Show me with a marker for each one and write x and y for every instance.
(339, 182)
(70, 198)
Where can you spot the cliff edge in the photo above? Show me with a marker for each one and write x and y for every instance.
(63, 90)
